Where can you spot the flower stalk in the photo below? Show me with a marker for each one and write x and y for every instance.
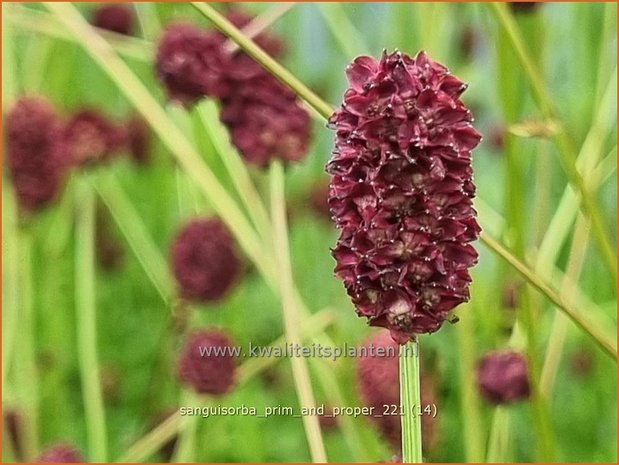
(300, 370)
(87, 323)
(410, 402)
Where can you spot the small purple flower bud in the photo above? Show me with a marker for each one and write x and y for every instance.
(265, 120)
(189, 63)
(264, 117)
(503, 377)
(204, 260)
(207, 364)
(91, 138)
(36, 155)
(60, 453)
(401, 193)
(115, 17)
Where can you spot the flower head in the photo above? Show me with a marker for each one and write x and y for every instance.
(401, 193)
(36, 155)
(60, 453)
(206, 364)
(503, 377)
(264, 117)
(91, 137)
(265, 120)
(204, 260)
(189, 63)
(115, 17)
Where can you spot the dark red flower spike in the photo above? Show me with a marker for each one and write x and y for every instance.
(401, 193)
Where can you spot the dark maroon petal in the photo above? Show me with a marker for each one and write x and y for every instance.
(401, 193)
(360, 72)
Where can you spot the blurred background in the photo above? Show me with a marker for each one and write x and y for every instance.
(521, 189)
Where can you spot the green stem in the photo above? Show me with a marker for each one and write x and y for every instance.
(136, 233)
(327, 378)
(153, 441)
(148, 19)
(261, 22)
(185, 451)
(28, 376)
(410, 402)
(9, 83)
(498, 443)
(312, 326)
(236, 168)
(36, 58)
(470, 407)
(560, 322)
(86, 319)
(562, 140)
(540, 412)
(351, 42)
(281, 73)
(510, 90)
(590, 153)
(608, 345)
(10, 282)
(300, 370)
(60, 230)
